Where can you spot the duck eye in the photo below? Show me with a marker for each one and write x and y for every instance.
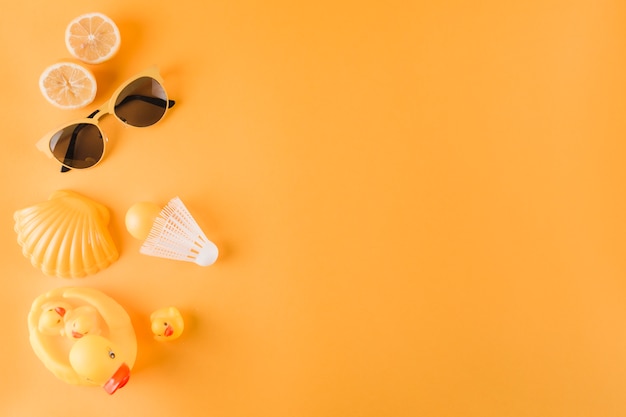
(165, 323)
(111, 354)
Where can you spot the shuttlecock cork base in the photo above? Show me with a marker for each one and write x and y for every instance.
(175, 235)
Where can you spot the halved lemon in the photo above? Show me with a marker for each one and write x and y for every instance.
(93, 38)
(68, 85)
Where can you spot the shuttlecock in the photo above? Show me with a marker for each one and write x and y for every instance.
(176, 235)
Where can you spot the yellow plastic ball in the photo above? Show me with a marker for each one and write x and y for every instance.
(140, 218)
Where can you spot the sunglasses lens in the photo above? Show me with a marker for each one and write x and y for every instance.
(78, 146)
(141, 103)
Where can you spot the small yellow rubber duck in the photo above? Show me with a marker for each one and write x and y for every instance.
(52, 318)
(81, 321)
(167, 323)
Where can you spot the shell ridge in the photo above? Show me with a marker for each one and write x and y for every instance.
(30, 228)
(49, 256)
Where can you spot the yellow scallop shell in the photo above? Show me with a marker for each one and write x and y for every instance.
(66, 236)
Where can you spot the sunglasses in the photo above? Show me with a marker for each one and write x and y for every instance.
(140, 102)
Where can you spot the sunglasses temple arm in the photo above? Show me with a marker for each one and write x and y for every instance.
(69, 154)
(151, 100)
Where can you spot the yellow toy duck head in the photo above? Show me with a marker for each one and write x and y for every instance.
(167, 323)
(81, 321)
(51, 320)
(98, 361)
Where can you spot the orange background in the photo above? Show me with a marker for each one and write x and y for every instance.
(420, 206)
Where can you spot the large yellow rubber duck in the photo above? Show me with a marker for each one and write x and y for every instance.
(101, 351)
(100, 362)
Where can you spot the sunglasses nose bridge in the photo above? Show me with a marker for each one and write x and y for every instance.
(99, 114)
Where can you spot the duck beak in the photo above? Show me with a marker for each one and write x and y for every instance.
(169, 330)
(60, 311)
(118, 380)
(76, 335)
